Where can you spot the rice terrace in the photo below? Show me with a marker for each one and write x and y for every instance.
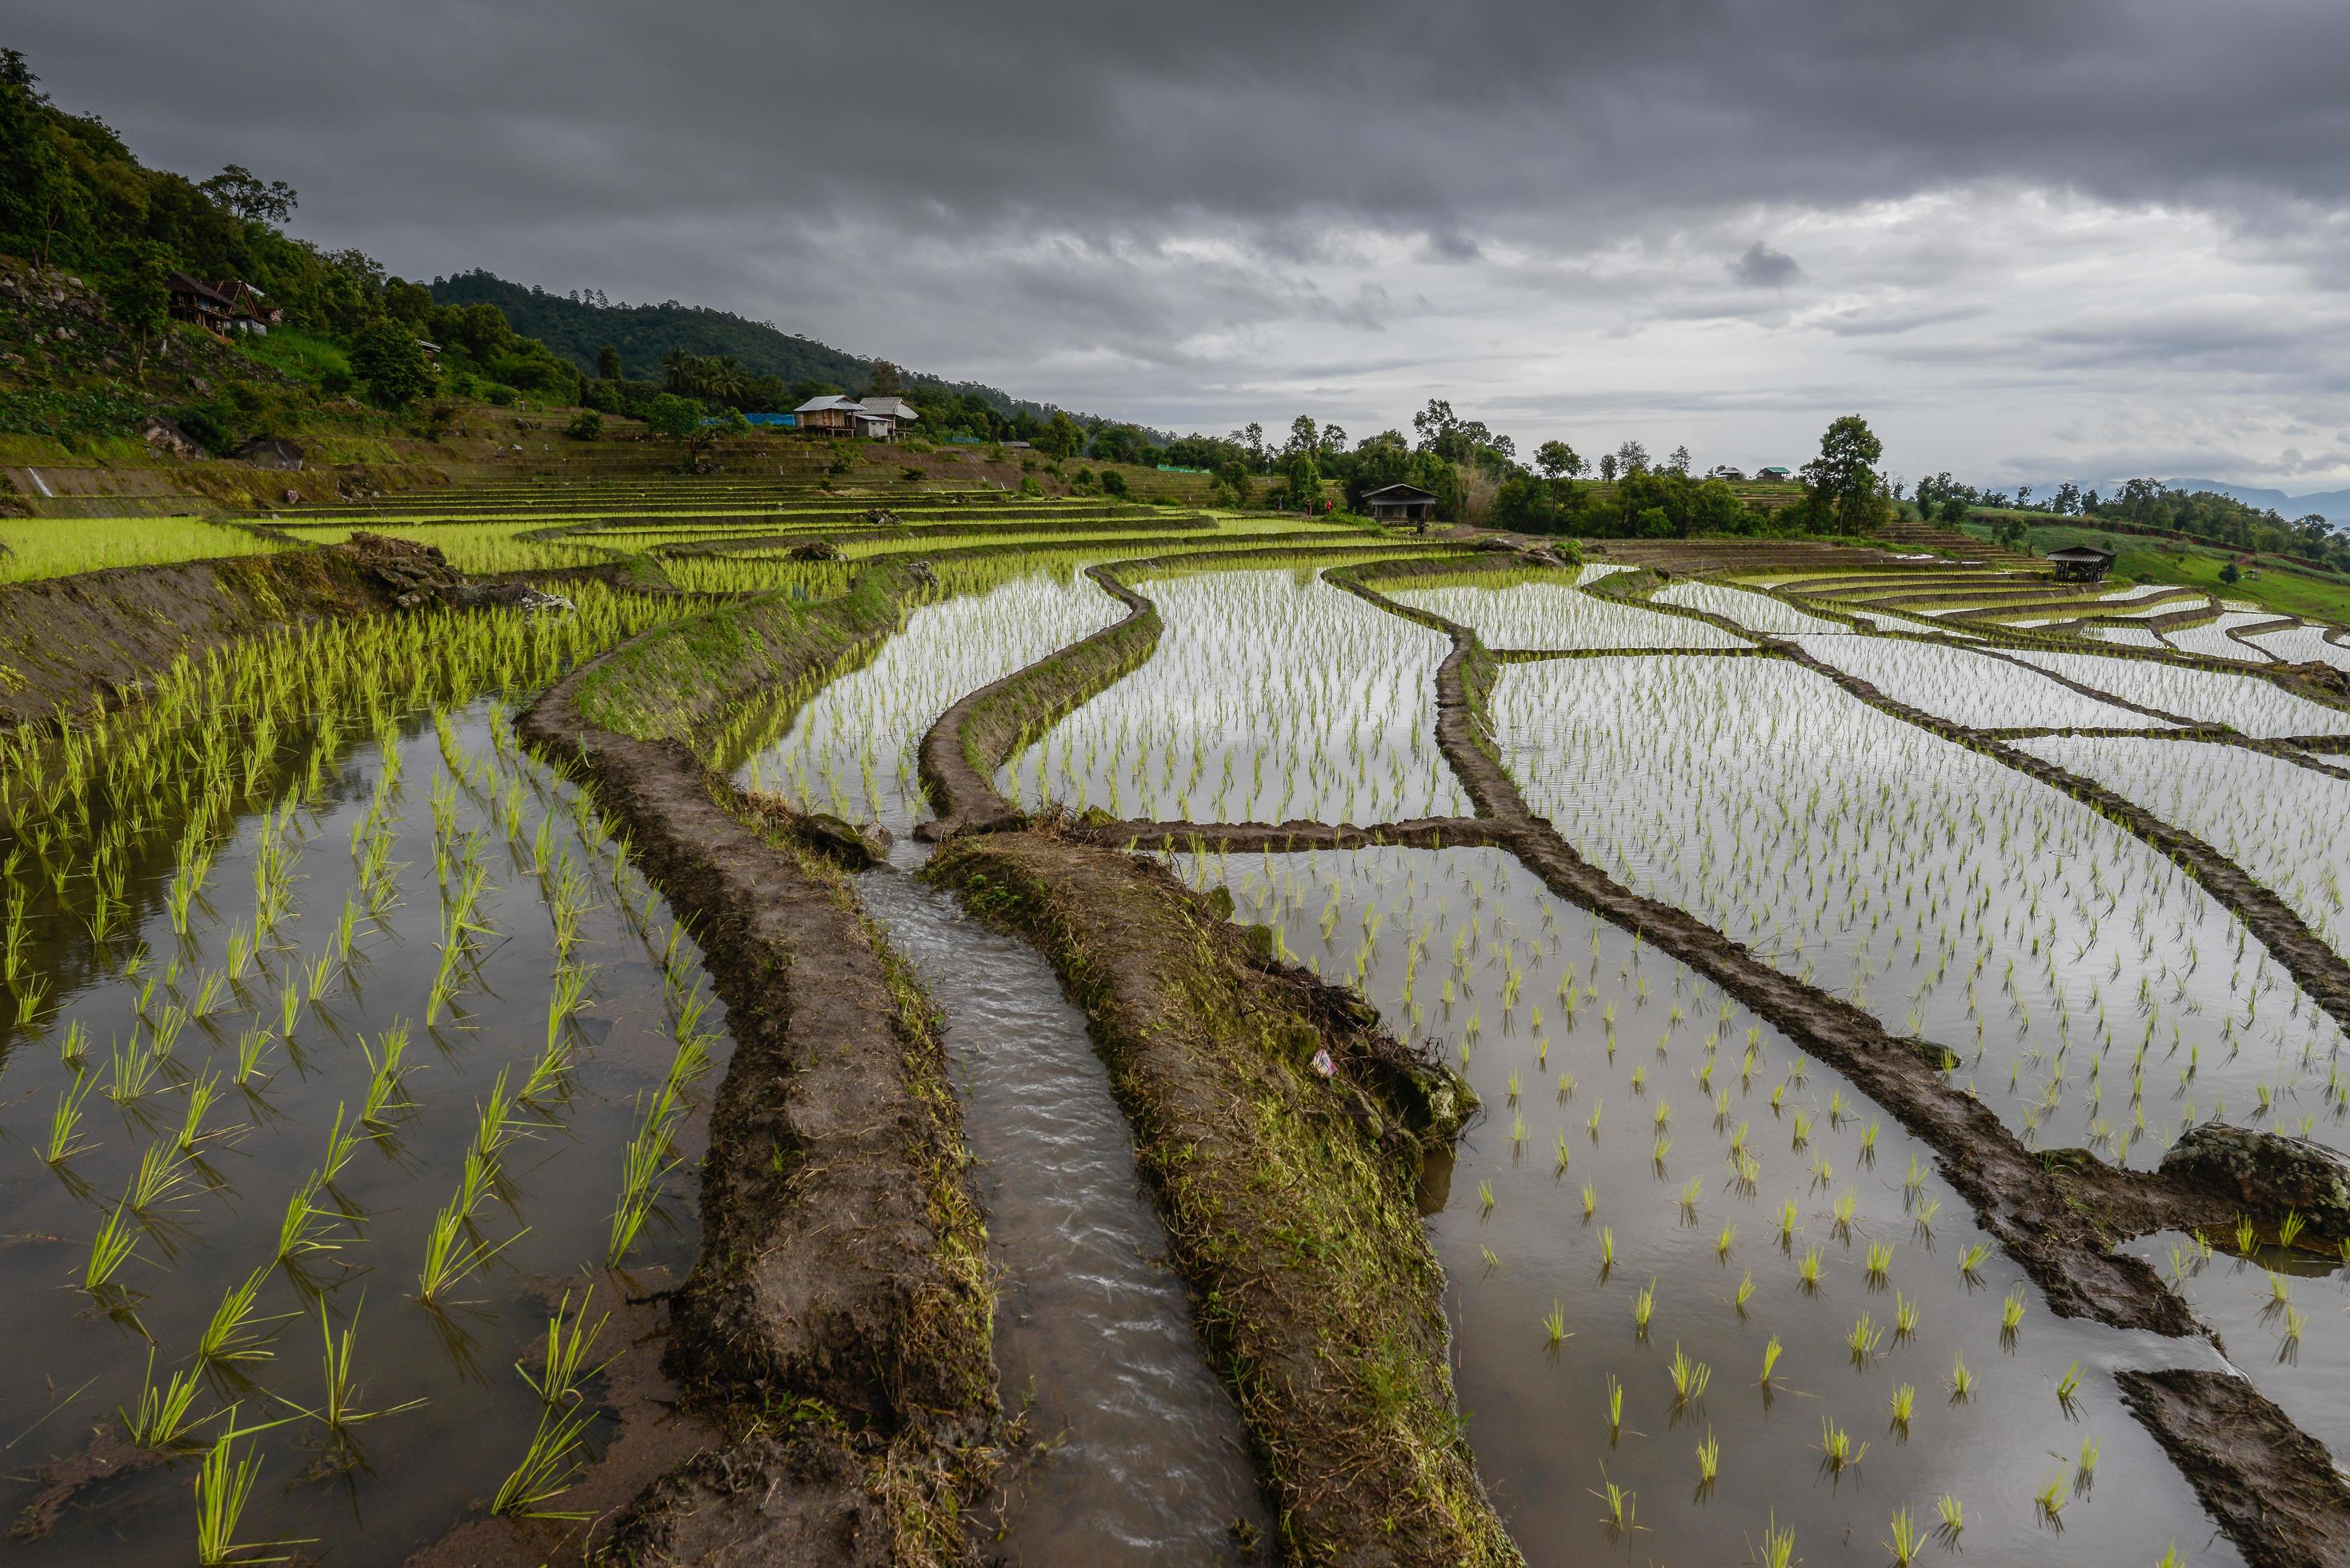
(631, 939)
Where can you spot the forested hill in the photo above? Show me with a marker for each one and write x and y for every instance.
(577, 329)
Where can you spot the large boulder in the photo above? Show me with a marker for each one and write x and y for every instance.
(413, 574)
(166, 436)
(272, 451)
(2264, 1174)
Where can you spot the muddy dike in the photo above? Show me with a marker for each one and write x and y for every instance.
(1288, 1195)
(837, 1323)
(961, 752)
(94, 639)
(2058, 1212)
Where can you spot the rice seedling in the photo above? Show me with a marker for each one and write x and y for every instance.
(65, 1124)
(1962, 1382)
(160, 1422)
(1689, 1378)
(1837, 1448)
(110, 1246)
(1709, 1460)
(1778, 1545)
(1770, 1360)
(1971, 1259)
(339, 1408)
(1808, 1272)
(2011, 1312)
(1622, 1508)
(1905, 1404)
(1555, 1326)
(2050, 1499)
(303, 1228)
(1953, 1516)
(1909, 1539)
(223, 1485)
(229, 1334)
(2068, 1385)
(1865, 1340)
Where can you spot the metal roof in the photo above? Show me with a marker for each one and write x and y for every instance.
(825, 404)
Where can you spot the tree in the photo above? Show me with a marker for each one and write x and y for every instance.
(1304, 436)
(140, 296)
(1557, 459)
(1632, 458)
(1679, 461)
(586, 425)
(1060, 438)
(1843, 481)
(1608, 466)
(1334, 438)
(607, 363)
(1304, 481)
(2228, 574)
(885, 381)
(387, 356)
(678, 371)
(237, 189)
(673, 416)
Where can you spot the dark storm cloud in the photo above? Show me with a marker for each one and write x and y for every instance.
(433, 119)
(1078, 200)
(1759, 266)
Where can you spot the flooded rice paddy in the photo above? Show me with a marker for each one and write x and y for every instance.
(1270, 695)
(1702, 1293)
(311, 1144)
(2098, 996)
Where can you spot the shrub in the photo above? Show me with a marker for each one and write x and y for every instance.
(586, 425)
(1113, 483)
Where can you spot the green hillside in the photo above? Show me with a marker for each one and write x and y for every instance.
(577, 329)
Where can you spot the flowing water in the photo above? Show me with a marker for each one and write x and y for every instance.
(1143, 1458)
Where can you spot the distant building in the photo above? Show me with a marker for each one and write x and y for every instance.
(194, 300)
(1774, 471)
(1400, 504)
(888, 406)
(2081, 564)
(235, 306)
(253, 312)
(873, 419)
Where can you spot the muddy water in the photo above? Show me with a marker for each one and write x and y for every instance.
(1606, 1167)
(452, 1415)
(1144, 1455)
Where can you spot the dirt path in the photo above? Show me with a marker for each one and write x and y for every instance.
(840, 1281)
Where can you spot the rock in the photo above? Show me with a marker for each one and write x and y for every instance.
(921, 573)
(198, 385)
(838, 840)
(271, 452)
(2265, 1174)
(814, 550)
(1261, 941)
(1440, 1102)
(882, 518)
(412, 574)
(166, 435)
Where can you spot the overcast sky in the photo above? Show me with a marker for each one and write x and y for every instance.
(2027, 240)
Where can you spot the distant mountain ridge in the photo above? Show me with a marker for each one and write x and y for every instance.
(2334, 505)
(577, 329)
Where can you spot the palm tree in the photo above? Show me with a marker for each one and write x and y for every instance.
(677, 369)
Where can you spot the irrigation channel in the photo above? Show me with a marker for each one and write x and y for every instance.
(465, 1100)
(1138, 1452)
